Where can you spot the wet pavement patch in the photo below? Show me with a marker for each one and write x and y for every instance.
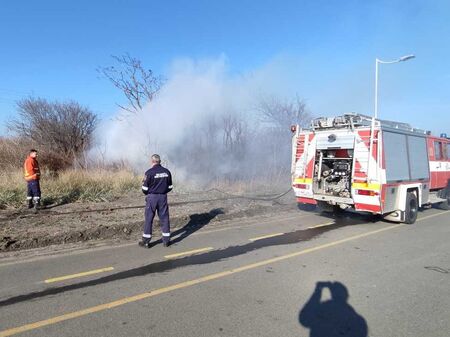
(289, 238)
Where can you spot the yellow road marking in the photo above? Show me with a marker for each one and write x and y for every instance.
(190, 252)
(224, 228)
(431, 216)
(181, 285)
(265, 236)
(322, 225)
(152, 293)
(86, 273)
(104, 247)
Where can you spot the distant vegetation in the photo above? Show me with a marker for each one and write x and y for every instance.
(230, 146)
(62, 132)
(224, 147)
(69, 186)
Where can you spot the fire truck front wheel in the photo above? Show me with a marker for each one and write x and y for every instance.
(411, 209)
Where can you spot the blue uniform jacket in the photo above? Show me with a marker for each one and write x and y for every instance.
(157, 180)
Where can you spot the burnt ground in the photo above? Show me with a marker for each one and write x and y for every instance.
(121, 220)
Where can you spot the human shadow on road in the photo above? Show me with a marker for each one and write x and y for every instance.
(294, 237)
(196, 221)
(334, 317)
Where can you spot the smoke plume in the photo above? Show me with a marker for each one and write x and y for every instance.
(205, 122)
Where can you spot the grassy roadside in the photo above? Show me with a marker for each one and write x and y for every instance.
(96, 185)
(69, 186)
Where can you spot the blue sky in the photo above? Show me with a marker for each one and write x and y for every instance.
(323, 51)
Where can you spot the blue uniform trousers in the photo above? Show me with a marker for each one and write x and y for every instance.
(157, 203)
(33, 190)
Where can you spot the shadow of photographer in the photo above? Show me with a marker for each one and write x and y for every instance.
(334, 317)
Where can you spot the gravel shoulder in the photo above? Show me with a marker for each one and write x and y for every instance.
(87, 224)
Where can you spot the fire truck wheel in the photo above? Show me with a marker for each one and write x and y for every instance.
(411, 209)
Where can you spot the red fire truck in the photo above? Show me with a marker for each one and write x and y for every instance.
(371, 165)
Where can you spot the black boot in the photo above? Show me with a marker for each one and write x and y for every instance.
(30, 203)
(37, 203)
(166, 243)
(144, 243)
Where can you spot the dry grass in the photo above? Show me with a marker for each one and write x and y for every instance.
(96, 185)
(69, 186)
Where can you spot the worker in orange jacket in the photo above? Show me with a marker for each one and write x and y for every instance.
(32, 174)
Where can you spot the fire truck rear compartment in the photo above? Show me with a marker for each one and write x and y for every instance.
(333, 173)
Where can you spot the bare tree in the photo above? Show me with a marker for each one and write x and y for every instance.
(64, 130)
(234, 134)
(12, 150)
(278, 115)
(281, 113)
(139, 85)
(228, 143)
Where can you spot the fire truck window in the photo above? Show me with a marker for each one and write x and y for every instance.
(417, 151)
(437, 151)
(445, 150)
(396, 156)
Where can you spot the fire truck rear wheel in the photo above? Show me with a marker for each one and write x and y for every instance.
(411, 209)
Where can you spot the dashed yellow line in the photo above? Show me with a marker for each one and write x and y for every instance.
(86, 273)
(152, 293)
(224, 228)
(265, 236)
(202, 232)
(322, 225)
(190, 252)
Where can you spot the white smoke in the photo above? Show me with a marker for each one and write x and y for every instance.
(198, 89)
(194, 90)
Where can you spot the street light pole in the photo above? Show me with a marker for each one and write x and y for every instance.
(378, 61)
(376, 88)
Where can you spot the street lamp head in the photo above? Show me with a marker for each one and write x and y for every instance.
(406, 58)
(378, 61)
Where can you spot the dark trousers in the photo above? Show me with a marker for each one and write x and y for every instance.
(33, 190)
(157, 203)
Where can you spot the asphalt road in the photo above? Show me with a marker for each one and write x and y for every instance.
(298, 274)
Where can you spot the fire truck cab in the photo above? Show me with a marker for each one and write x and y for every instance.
(358, 162)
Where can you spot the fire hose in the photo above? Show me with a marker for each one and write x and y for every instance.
(267, 197)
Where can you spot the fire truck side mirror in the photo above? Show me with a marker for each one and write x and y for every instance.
(293, 128)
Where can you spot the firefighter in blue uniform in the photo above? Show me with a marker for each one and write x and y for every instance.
(156, 184)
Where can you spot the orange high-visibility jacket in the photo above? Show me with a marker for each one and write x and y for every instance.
(31, 169)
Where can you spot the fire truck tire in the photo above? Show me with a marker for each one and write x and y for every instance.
(411, 209)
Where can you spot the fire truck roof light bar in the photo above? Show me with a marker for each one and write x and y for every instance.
(352, 120)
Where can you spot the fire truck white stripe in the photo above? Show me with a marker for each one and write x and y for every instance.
(439, 166)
